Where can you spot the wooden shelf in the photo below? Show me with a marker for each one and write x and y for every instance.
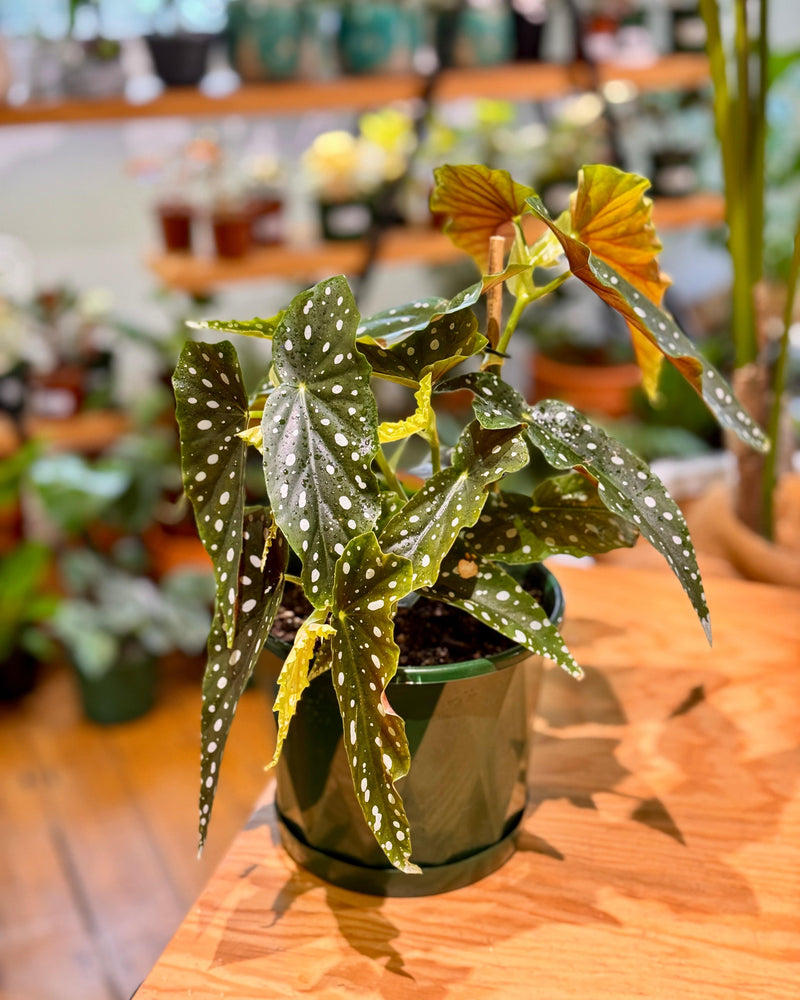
(90, 432)
(522, 81)
(425, 246)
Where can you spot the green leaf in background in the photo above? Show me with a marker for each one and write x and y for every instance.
(660, 329)
(625, 484)
(565, 515)
(496, 404)
(441, 346)
(426, 527)
(260, 573)
(294, 676)
(364, 655)
(211, 409)
(492, 596)
(392, 325)
(320, 430)
(248, 328)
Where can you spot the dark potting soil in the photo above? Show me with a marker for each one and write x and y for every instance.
(429, 633)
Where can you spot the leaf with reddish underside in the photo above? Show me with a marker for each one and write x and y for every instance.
(477, 202)
(363, 657)
(260, 572)
(426, 527)
(211, 409)
(660, 329)
(320, 433)
(488, 593)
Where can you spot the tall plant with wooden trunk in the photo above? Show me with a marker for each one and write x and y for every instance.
(740, 75)
(336, 519)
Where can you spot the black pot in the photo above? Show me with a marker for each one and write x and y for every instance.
(529, 21)
(180, 60)
(18, 674)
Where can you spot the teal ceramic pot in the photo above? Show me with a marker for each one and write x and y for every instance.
(476, 36)
(125, 692)
(467, 725)
(264, 39)
(377, 37)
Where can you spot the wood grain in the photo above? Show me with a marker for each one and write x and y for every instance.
(660, 856)
(98, 838)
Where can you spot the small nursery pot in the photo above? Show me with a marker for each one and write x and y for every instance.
(467, 726)
(176, 226)
(123, 693)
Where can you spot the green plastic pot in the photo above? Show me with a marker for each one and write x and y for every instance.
(467, 725)
(125, 692)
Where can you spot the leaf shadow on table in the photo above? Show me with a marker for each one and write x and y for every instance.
(673, 848)
(601, 750)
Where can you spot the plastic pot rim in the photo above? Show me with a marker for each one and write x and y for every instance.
(440, 673)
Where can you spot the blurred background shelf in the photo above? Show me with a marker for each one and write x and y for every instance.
(91, 431)
(519, 81)
(187, 273)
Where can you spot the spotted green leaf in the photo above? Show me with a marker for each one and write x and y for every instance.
(660, 329)
(426, 527)
(260, 572)
(294, 676)
(392, 325)
(367, 586)
(625, 484)
(496, 403)
(211, 408)
(493, 597)
(441, 346)
(257, 327)
(564, 515)
(320, 429)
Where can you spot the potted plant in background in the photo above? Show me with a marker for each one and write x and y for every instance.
(347, 173)
(24, 611)
(114, 624)
(338, 525)
(744, 529)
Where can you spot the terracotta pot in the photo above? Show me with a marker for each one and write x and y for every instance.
(602, 389)
(231, 232)
(176, 226)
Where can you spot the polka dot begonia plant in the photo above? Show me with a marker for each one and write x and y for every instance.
(333, 498)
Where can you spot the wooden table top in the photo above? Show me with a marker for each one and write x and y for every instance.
(660, 856)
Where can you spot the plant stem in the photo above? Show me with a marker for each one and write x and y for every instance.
(778, 386)
(291, 578)
(433, 441)
(389, 475)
